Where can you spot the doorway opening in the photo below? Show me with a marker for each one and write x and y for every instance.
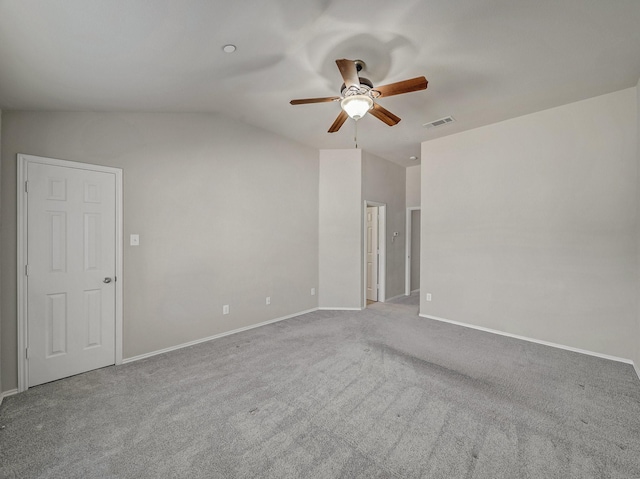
(374, 247)
(412, 267)
(69, 266)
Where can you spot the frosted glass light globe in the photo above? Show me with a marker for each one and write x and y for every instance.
(356, 106)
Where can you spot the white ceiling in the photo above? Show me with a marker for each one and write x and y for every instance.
(486, 60)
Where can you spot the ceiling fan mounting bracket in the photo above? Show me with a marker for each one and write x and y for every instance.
(360, 65)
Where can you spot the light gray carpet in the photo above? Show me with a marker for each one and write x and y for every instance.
(375, 394)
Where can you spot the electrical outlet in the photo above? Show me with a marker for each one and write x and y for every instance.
(313, 291)
(428, 296)
(225, 309)
(268, 301)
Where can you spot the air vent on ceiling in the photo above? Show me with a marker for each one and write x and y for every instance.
(440, 122)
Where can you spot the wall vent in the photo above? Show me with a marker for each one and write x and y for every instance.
(440, 122)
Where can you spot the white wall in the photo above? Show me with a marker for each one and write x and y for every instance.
(384, 182)
(636, 358)
(529, 225)
(227, 214)
(340, 225)
(1, 389)
(413, 185)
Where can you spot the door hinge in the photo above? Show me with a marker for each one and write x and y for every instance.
(26, 187)
(26, 270)
(27, 353)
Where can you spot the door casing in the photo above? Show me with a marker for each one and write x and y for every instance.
(382, 246)
(372, 242)
(23, 162)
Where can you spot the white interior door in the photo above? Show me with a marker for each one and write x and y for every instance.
(71, 256)
(372, 253)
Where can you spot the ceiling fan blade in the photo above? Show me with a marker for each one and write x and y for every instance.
(406, 86)
(384, 115)
(349, 72)
(304, 101)
(342, 117)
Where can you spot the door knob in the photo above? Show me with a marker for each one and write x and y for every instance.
(107, 280)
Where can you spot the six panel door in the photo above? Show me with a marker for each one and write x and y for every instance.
(71, 252)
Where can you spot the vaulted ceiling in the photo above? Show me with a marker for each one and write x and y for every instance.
(485, 60)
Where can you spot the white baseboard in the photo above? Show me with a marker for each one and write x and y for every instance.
(415, 290)
(8, 393)
(215, 336)
(340, 309)
(637, 368)
(532, 340)
(395, 297)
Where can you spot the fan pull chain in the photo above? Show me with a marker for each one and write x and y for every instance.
(355, 137)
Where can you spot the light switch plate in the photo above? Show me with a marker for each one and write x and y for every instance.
(134, 240)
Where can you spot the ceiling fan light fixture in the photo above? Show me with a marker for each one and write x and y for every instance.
(356, 106)
(357, 95)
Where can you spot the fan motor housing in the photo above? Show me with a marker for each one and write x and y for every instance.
(365, 86)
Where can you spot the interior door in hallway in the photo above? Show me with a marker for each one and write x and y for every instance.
(415, 251)
(372, 253)
(71, 251)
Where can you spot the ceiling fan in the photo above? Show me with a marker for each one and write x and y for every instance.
(357, 95)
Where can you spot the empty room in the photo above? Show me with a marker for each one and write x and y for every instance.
(319, 239)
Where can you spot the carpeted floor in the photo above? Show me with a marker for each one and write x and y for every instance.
(380, 393)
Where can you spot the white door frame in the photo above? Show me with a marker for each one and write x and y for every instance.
(373, 256)
(23, 163)
(407, 269)
(382, 246)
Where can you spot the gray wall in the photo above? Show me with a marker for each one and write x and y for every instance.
(227, 214)
(347, 179)
(413, 199)
(636, 358)
(413, 185)
(529, 225)
(384, 182)
(340, 219)
(415, 250)
(1, 228)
